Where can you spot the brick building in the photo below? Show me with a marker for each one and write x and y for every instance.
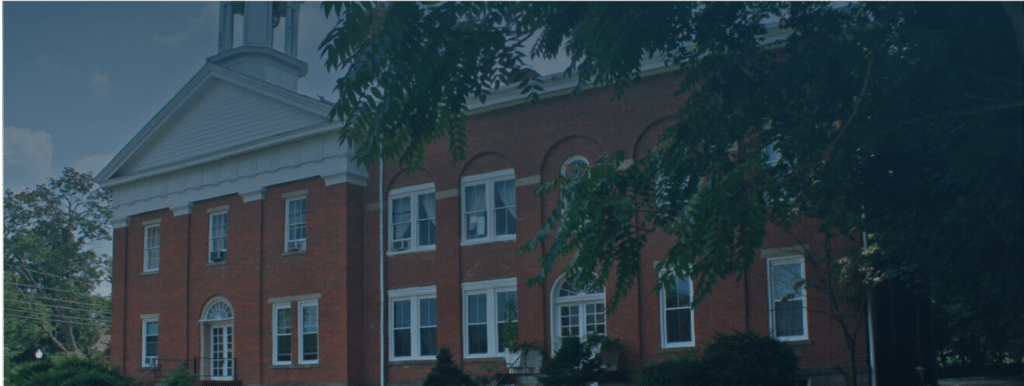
(246, 238)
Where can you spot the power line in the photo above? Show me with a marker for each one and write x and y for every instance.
(53, 315)
(52, 306)
(58, 321)
(48, 289)
(61, 300)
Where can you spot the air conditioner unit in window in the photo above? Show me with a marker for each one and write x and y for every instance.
(217, 256)
(399, 245)
(298, 245)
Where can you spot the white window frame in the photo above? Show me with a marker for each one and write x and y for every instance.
(151, 259)
(580, 301)
(150, 360)
(223, 251)
(277, 334)
(413, 193)
(772, 262)
(302, 331)
(287, 225)
(488, 180)
(490, 288)
(413, 295)
(663, 307)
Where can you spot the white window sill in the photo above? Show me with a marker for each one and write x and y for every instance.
(155, 271)
(214, 263)
(416, 250)
(294, 252)
(669, 346)
(488, 240)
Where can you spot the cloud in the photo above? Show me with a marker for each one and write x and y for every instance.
(208, 16)
(28, 157)
(100, 84)
(93, 163)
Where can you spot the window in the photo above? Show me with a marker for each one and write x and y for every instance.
(218, 236)
(295, 228)
(677, 314)
(489, 207)
(413, 323)
(788, 301)
(152, 258)
(310, 329)
(150, 344)
(283, 334)
(572, 167)
(577, 310)
(413, 219)
(218, 343)
(490, 308)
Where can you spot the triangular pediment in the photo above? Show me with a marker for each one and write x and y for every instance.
(219, 112)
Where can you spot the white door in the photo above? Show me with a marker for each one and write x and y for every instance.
(222, 363)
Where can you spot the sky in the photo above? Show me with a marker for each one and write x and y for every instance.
(80, 79)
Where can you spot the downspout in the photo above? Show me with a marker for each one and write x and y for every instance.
(871, 321)
(380, 234)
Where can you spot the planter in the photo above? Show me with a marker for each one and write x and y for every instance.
(610, 354)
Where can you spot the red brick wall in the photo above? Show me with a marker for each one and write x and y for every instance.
(342, 258)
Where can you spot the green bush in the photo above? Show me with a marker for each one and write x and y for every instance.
(445, 373)
(741, 358)
(676, 372)
(180, 376)
(746, 358)
(67, 370)
(574, 364)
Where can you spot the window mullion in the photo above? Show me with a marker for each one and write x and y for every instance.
(414, 327)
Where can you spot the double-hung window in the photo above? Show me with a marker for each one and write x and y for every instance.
(150, 333)
(413, 323)
(218, 235)
(152, 249)
(489, 207)
(677, 314)
(295, 224)
(413, 219)
(309, 328)
(489, 316)
(788, 298)
(283, 333)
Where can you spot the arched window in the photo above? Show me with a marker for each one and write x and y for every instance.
(577, 310)
(218, 311)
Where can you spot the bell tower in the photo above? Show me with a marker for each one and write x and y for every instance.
(256, 56)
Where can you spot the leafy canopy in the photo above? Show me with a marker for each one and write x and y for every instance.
(903, 120)
(49, 272)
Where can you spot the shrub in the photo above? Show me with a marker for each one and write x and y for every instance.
(574, 364)
(746, 358)
(676, 372)
(445, 373)
(67, 370)
(180, 376)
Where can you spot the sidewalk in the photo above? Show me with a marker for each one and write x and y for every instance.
(983, 381)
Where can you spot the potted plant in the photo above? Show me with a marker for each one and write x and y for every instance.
(609, 350)
(524, 355)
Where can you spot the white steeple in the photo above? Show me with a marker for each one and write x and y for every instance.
(257, 57)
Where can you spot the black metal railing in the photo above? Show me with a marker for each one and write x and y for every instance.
(152, 375)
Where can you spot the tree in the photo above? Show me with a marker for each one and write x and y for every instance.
(49, 273)
(901, 120)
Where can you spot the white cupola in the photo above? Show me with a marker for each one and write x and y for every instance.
(256, 56)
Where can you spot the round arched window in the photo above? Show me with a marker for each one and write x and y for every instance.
(218, 311)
